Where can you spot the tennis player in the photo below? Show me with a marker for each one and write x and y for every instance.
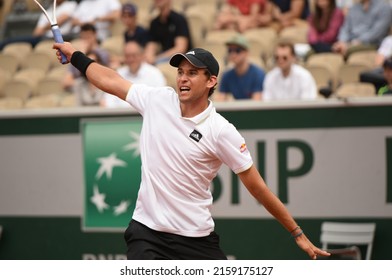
(183, 143)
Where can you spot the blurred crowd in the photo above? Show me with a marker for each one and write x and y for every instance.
(268, 49)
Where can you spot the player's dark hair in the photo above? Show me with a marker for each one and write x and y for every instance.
(212, 90)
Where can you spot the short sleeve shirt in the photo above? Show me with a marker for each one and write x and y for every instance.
(165, 33)
(180, 157)
(242, 87)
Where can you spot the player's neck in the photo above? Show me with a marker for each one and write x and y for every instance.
(192, 109)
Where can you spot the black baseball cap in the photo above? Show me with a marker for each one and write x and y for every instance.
(199, 58)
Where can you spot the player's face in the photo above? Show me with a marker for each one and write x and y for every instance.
(192, 83)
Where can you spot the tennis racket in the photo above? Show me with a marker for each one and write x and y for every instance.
(58, 38)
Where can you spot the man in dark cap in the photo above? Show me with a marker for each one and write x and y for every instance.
(183, 144)
(133, 31)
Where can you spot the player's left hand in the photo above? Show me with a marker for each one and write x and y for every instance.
(304, 243)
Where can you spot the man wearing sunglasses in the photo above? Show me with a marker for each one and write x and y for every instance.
(244, 80)
(288, 80)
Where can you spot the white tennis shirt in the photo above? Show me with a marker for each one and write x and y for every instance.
(180, 157)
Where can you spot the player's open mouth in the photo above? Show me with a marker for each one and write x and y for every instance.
(184, 89)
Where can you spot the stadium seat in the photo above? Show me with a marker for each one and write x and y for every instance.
(30, 75)
(40, 61)
(46, 47)
(356, 90)
(19, 89)
(48, 86)
(206, 10)
(19, 49)
(197, 28)
(4, 77)
(11, 103)
(295, 34)
(322, 76)
(266, 36)
(349, 73)
(332, 61)
(68, 100)
(9, 63)
(43, 101)
(366, 58)
(346, 234)
(57, 72)
(220, 36)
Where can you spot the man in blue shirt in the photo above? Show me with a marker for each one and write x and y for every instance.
(245, 79)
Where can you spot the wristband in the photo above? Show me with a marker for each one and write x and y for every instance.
(291, 232)
(81, 62)
(298, 234)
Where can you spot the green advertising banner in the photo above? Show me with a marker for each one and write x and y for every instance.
(70, 179)
(112, 173)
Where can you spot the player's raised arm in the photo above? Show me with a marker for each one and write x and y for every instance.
(100, 76)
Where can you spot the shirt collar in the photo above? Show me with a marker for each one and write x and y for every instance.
(203, 115)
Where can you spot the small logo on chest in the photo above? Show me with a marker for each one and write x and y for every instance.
(196, 135)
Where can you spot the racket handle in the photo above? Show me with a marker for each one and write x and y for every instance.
(58, 38)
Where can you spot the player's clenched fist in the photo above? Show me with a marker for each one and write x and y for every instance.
(66, 48)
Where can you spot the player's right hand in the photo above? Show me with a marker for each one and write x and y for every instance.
(66, 48)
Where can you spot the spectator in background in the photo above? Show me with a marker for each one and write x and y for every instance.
(42, 30)
(169, 34)
(244, 80)
(88, 44)
(241, 15)
(287, 80)
(135, 70)
(387, 71)
(101, 13)
(344, 5)
(289, 12)
(133, 32)
(366, 24)
(86, 93)
(64, 12)
(324, 25)
(376, 76)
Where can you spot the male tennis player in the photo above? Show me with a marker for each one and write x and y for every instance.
(183, 143)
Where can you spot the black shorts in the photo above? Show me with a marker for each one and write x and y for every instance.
(146, 244)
